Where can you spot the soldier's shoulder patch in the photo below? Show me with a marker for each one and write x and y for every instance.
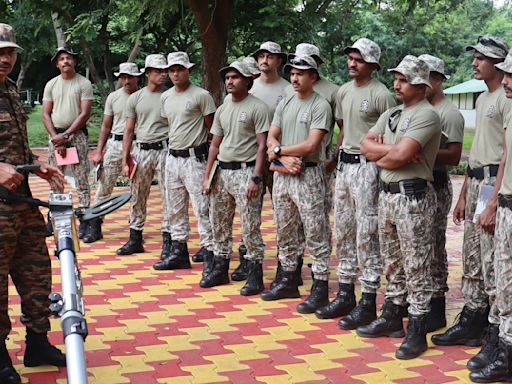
(365, 105)
(490, 111)
(405, 125)
(243, 117)
(304, 117)
(279, 98)
(189, 105)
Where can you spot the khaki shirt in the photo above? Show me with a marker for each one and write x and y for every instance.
(452, 124)
(66, 96)
(185, 112)
(115, 106)
(144, 107)
(271, 94)
(506, 183)
(238, 123)
(420, 123)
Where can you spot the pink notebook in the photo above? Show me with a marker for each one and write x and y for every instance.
(71, 157)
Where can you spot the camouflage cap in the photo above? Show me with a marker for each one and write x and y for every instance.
(435, 64)
(65, 49)
(7, 37)
(416, 71)
(271, 47)
(179, 58)
(252, 65)
(369, 50)
(128, 69)
(238, 66)
(490, 46)
(302, 62)
(306, 49)
(506, 66)
(156, 61)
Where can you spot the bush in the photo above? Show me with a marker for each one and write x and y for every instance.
(459, 169)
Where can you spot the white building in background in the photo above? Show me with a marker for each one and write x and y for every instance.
(464, 96)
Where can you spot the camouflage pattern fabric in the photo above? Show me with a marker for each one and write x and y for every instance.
(184, 181)
(111, 169)
(478, 280)
(503, 265)
(407, 248)
(80, 170)
(301, 200)
(416, 71)
(229, 191)
(369, 50)
(150, 162)
(357, 239)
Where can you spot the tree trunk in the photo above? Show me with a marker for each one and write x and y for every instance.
(136, 47)
(24, 64)
(59, 29)
(107, 65)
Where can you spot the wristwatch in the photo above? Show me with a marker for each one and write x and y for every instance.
(66, 136)
(256, 179)
(277, 150)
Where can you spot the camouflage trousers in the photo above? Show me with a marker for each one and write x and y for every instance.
(80, 170)
(478, 281)
(407, 248)
(301, 200)
(229, 191)
(150, 162)
(439, 266)
(24, 256)
(184, 180)
(111, 169)
(503, 265)
(357, 237)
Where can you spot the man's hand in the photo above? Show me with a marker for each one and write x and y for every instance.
(417, 158)
(97, 157)
(53, 175)
(205, 190)
(125, 169)
(61, 150)
(293, 164)
(252, 190)
(459, 211)
(59, 140)
(9, 178)
(487, 219)
(271, 155)
(330, 165)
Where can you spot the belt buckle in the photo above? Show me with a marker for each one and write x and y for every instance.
(487, 172)
(192, 152)
(243, 165)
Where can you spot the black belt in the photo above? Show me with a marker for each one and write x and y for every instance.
(309, 164)
(440, 179)
(236, 165)
(505, 201)
(115, 137)
(350, 158)
(199, 151)
(412, 187)
(148, 146)
(62, 130)
(479, 173)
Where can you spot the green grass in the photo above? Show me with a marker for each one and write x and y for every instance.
(468, 139)
(38, 137)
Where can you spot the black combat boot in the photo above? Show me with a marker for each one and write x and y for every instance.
(8, 374)
(254, 283)
(200, 255)
(342, 304)
(498, 370)
(415, 342)
(219, 274)
(468, 330)
(166, 245)
(298, 271)
(39, 351)
(363, 314)
(133, 245)
(297, 275)
(207, 263)
(93, 233)
(488, 352)
(318, 298)
(82, 229)
(178, 258)
(388, 324)
(279, 274)
(286, 288)
(436, 318)
(242, 271)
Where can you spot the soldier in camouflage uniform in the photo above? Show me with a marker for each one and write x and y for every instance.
(110, 143)
(296, 141)
(359, 104)
(404, 143)
(189, 111)
(23, 252)
(478, 283)
(238, 144)
(143, 117)
(498, 214)
(452, 125)
(67, 103)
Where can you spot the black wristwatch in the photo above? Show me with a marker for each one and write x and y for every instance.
(277, 150)
(256, 179)
(66, 136)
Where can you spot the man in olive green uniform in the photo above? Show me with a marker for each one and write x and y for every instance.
(110, 142)
(404, 143)
(478, 282)
(67, 103)
(238, 144)
(499, 366)
(189, 111)
(359, 104)
(452, 125)
(143, 117)
(23, 252)
(296, 141)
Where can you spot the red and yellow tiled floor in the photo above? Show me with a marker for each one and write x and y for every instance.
(160, 327)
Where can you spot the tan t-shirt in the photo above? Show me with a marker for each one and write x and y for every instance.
(420, 123)
(185, 112)
(66, 96)
(270, 94)
(297, 118)
(144, 107)
(506, 183)
(238, 123)
(452, 124)
(487, 147)
(115, 106)
(360, 108)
